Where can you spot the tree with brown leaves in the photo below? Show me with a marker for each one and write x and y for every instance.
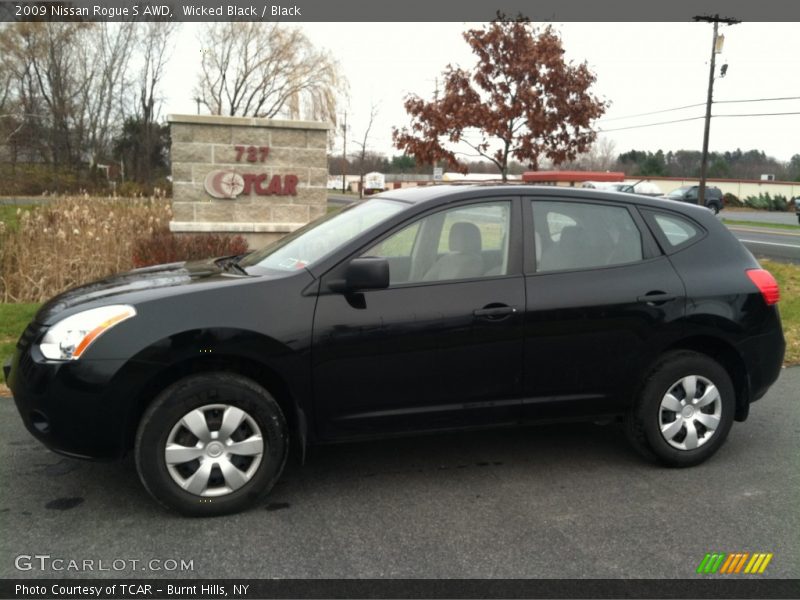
(522, 100)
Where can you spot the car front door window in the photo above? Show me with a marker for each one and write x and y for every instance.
(467, 242)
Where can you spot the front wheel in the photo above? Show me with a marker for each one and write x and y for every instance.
(684, 411)
(211, 444)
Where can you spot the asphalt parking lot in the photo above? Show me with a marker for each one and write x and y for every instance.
(549, 501)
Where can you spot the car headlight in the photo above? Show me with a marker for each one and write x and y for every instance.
(69, 338)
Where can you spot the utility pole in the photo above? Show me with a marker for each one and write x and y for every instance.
(716, 19)
(344, 152)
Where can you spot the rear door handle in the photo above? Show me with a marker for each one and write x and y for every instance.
(494, 312)
(656, 298)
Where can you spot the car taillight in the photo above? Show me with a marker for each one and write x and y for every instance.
(766, 284)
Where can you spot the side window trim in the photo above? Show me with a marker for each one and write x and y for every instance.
(667, 248)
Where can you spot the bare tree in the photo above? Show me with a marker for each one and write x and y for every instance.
(154, 43)
(63, 84)
(53, 78)
(113, 45)
(373, 111)
(601, 156)
(266, 70)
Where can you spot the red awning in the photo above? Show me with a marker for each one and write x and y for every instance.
(576, 176)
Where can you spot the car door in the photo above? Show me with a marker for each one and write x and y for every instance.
(442, 345)
(599, 295)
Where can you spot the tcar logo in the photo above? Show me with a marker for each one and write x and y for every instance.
(230, 184)
(224, 184)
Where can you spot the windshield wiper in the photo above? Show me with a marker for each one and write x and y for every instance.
(231, 264)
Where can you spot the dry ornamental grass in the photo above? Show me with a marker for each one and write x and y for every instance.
(72, 241)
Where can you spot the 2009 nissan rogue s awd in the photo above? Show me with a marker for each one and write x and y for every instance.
(421, 309)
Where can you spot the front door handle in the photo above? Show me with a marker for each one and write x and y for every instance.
(656, 298)
(494, 312)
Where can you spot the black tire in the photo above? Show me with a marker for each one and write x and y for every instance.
(714, 208)
(183, 397)
(642, 421)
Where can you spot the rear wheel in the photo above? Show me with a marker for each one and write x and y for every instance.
(211, 444)
(684, 411)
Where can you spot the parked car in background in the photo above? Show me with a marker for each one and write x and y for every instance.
(424, 309)
(689, 193)
(647, 188)
(797, 207)
(608, 186)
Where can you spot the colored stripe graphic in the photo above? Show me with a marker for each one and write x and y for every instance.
(765, 563)
(741, 561)
(711, 562)
(729, 562)
(734, 562)
(702, 566)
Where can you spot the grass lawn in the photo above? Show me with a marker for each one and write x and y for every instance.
(762, 224)
(13, 320)
(788, 277)
(8, 213)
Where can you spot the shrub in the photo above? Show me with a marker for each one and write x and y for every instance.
(779, 203)
(25, 179)
(71, 241)
(732, 200)
(757, 202)
(131, 189)
(163, 246)
(766, 201)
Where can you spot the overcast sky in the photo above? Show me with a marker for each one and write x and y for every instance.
(640, 67)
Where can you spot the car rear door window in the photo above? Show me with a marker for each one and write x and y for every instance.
(574, 235)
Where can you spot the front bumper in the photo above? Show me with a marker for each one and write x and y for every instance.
(77, 408)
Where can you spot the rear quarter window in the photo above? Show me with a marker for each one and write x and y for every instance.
(673, 231)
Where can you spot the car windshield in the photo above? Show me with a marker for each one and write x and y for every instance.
(317, 240)
(678, 193)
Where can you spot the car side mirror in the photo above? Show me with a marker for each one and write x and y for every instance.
(367, 273)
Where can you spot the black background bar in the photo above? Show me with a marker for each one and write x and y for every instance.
(208, 589)
(405, 10)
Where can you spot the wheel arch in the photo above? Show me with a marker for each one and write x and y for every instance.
(727, 356)
(260, 373)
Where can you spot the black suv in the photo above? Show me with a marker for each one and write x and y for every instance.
(421, 309)
(689, 193)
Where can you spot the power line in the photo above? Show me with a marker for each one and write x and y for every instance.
(655, 112)
(665, 110)
(650, 124)
(757, 100)
(775, 114)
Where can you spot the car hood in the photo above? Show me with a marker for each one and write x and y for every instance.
(171, 275)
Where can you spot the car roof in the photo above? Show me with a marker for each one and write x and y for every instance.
(442, 194)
